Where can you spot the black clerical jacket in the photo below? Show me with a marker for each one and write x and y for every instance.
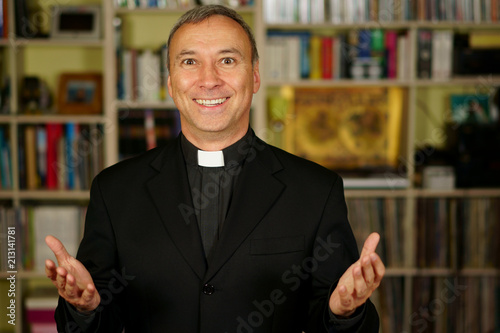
(285, 242)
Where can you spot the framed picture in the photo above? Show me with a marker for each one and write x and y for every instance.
(76, 22)
(80, 93)
(348, 128)
(470, 108)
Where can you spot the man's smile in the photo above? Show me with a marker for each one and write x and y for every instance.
(210, 102)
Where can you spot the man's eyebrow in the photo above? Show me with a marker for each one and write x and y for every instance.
(231, 50)
(184, 53)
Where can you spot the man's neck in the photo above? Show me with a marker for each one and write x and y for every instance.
(214, 141)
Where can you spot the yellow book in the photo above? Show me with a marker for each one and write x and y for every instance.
(315, 58)
(484, 39)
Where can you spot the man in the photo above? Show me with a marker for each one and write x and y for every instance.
(218, 232)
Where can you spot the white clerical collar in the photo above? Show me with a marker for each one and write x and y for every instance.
(210, 159)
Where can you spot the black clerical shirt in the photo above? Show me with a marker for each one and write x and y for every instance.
(212, 187)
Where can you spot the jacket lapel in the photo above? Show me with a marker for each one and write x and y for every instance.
(254, 195)
(171, 194)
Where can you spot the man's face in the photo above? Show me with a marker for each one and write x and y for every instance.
(212, 79)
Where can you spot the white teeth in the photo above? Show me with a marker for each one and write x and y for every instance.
(210, 102)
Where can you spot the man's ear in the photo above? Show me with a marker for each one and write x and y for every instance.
(256, 77)
(169, 86)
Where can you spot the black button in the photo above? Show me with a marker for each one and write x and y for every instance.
(208, 289)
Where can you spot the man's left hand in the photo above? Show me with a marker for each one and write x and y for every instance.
(359, 281)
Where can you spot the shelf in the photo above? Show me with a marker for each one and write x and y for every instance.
(5, 119)
(340, 83)
(173, 11)
(376, 193)
(74, 42)
(59, 118)
(22, 274)
(69, 195)
(144, 105)
(383, 25)
(457, 193)
(6, 194)
(480, 79)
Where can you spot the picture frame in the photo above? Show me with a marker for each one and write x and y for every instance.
(80, 93)
(80, 22)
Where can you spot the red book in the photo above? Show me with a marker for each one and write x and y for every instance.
(327, 57)
(391, 45)
(54, 133)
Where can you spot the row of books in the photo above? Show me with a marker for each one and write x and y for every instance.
(60, 156)
(360, 11)
(32, 224)
(178, 3)
(455, 305)
(5, 160)
(458, 233)
(359, 54)
(435, 54)
(141, 130)
(382, 215)
(142, 75)
(389, 298)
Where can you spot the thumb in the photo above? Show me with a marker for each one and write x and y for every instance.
(58, 248)
(370, 244)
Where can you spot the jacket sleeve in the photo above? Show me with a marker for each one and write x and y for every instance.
(97, 252)
(335, 250)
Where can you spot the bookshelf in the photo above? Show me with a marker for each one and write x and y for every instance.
(411, 288)
(398, 300)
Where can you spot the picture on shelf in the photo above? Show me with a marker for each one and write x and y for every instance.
(348, 128)
(470, 109)
(80, 93)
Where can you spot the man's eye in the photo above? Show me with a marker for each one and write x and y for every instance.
(228, 61)
(188, 62)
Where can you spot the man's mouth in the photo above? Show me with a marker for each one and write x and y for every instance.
(210, 102)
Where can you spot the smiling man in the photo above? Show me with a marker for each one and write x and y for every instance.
(217, 232)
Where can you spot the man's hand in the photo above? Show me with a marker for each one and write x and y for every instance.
(359, 281)
(72, 279)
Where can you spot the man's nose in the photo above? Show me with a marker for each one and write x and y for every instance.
(209, 77)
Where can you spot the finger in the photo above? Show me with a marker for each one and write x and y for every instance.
(58, 248)
(71, 288)
(368, 271)
(370, 244)
(50, 269)
(360, 288)
(61, 278)
(89, 294)
(378, 267)
(345, 299)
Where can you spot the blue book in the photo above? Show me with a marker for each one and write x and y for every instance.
(364, 43)
(71, 154)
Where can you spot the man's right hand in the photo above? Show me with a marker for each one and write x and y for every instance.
(72, 279)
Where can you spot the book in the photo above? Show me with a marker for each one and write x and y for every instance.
(424, 54)
(30, 157)
(63, 222)
(54, 133)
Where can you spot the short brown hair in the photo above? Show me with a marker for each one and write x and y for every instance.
(201, 13)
